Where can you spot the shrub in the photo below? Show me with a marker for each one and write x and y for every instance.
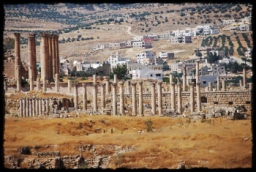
(149, 125)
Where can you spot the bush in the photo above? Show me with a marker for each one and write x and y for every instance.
(149, 125)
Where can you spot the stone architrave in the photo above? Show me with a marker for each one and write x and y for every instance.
(17, 55)
(140, 100)
(244, 78)
(153, 98)
(179, 110)
(69, 85)
(134, 104)
(103, 104)
(94, 97)
(84, 97)
(223, 85)
(159, 95)
(57, 82)
(173, 96)
(121, 87)
(184, 81)
(21, 108)
(198, 97)
(75, 97)
(192, 98)
(24, 107)
(114, 103)
(128, 84)
(197, 71)
(210, 86)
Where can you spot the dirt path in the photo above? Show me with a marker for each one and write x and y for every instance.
(129, 31)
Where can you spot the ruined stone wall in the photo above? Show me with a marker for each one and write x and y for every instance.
(9, 72)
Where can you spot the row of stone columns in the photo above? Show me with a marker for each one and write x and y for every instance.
(31, 107)
(49, 56)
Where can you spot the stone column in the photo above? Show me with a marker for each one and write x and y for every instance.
(94, 97)
(30, 107)
(218, 83)
(43, 107)
(114, 103)
(44, 85)
(24, 107)
(134, 104)
(198, 97)
(94, 79)
(223, 85)
(173, 96)
(18, 79)
(128, 84)
(57, 82)
(115, 78)
(210, 86)
(21, 107)
(34, 58)
(57, 63)
(40, 106)
(192, 98)
(250, 86)
(53, 56)
(37, 106)
(197, 71)
(43, 55)
(103, 95)
(17, 55)
(47, 106)
(5, 85)
(140, 99)
(107, 86)
(179, 99)
(69, 85)
(38, 84)
(84, 97)
(27, 107)
(50, 73)
(184, 79)
(153, 98)
(159, 95)
(31, 79)
(240, 83)
(75, 97)
(34, 107)
(121, 87)
(244, 77)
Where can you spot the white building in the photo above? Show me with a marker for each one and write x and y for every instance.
(141, 56)
(115, 60)
(147, 74)
(166, 55)
(226, 61)
(226, 22)
(139, 38)
(181, 39)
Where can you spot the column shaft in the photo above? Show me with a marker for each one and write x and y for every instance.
(21, 108)
(173, 96)
(84, 97)
(179, 99)
(184, 81)
(103, 95)
(75, 97)
(198, 98)
(121, 87)
(95, 108)
(57, 82)
(192, 99)
(159, 94)
(153, 98)
(134, 104)
(114, 103)
(140, 100)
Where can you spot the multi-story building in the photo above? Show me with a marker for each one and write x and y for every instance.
(166, 55)
(115, 60)
(153, 60)
(180, 39)
(146, 54)
(147, 74)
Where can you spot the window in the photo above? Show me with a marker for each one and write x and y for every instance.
(204, 82)
(158, 74)
(230, 103)
(215, 81)
(151, 75)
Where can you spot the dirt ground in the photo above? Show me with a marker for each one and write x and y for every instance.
(215, 143)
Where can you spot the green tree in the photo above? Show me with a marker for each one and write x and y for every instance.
(121, 71)
(234, 67)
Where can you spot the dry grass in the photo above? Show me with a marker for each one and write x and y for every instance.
(218, 144)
